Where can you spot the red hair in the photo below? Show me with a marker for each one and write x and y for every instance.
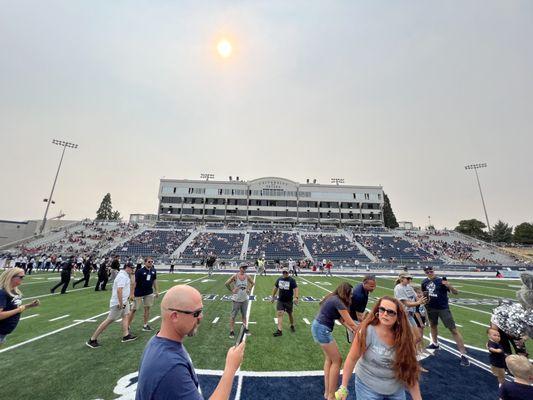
(405, 365)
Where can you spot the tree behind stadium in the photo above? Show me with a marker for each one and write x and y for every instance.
(523, 233)
(389, 218)
(472, 227)
(502, 232)
(105, 211)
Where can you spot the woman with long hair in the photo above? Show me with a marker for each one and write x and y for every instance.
(335, 306)
(11, 301)
(384, 355)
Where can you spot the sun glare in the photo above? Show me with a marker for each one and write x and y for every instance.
(224, 48)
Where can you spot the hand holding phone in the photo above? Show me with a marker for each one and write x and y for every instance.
(240, 336)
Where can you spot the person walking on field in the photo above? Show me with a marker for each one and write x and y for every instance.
(288, 290)
(437, 290)
(145, 282)
(119, 307)
(66, 273)
(240, 285)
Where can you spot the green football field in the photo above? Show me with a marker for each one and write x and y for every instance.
(46, 356)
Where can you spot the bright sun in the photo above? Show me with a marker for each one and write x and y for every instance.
(224, 48)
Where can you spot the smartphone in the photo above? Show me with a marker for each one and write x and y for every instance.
(240, 336)
(426, 294)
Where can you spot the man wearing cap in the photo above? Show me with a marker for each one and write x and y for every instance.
(118, 307)
(404, 292)
(436, 290)
(240, 285)
(288, 290)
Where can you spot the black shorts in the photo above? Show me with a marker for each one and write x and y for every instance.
(445, 316)
(284, 306)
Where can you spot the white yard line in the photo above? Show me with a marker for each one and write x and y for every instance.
(48, 334)
(155, 318)
(56, 294)
(29, 316)
(480, 323)
(85, 320)
(307, 321)
(275, 320)
(239, 381)
(58, 318)
(215, 320)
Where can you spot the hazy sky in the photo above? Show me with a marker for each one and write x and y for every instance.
(395, 93)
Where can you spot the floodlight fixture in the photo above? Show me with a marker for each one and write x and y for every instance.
(49, 201)
(475, 167)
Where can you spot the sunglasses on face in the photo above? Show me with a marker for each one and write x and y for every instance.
(383, 310)
(429, 272)
(19, 276)
(195, 314)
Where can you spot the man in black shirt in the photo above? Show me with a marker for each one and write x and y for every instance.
(288, 290)
(145, 281)
(66, 273)
(86, 269)
(210, 262)
(103, 275)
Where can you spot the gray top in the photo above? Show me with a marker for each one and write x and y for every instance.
(242, 285)
(406, 292)
(374, 367)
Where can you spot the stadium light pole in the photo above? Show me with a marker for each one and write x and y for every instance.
(475, 167)
(49, 200)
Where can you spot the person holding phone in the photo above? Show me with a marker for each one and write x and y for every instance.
(438, 307)
(166, 370)
(11, 301)
(240, 285)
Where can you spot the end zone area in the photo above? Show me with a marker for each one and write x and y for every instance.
(48, 347)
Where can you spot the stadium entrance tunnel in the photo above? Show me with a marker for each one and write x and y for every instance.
(445, 380)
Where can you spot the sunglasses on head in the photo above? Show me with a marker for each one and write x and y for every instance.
(195, 314)
(383, 310)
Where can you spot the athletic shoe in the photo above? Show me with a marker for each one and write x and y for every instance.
(232, 335)
(277, 333)
(93, 344)
(147, 328)
(128, 338)
(433, 346)
(465, 362)
(292, 328)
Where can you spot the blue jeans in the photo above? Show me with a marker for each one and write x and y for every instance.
(321, 333)
(363, 392)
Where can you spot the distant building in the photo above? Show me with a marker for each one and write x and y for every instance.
(405, 225)
(270, 199)
(140, 218)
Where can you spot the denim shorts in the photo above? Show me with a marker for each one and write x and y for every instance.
(364, 392)
(321, 333)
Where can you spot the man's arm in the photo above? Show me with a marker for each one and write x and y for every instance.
(233, 362)
(119, 295)
(274, 291)
(296, 295)
(251, 283)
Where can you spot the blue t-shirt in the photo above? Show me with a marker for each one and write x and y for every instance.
(8, 303)
(166, 372)
(496, 359)
(359, 301)
(329, 311)
(515, 391)
(437, 293)
(144, 281)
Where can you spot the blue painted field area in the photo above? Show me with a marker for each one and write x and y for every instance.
(445, 380)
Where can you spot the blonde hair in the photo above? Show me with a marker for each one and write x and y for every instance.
(5, 281)
(520, 367)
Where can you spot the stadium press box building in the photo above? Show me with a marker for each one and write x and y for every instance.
(269, 199)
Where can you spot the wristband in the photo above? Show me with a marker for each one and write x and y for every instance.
(341, 393)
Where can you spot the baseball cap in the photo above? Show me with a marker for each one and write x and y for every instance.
(283, 270)
(405, 275)
(244, 266)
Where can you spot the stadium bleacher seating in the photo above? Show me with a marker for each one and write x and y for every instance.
(274, 245)
(394, 249)
(152, 243)
(224, 245)
(333, 247)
